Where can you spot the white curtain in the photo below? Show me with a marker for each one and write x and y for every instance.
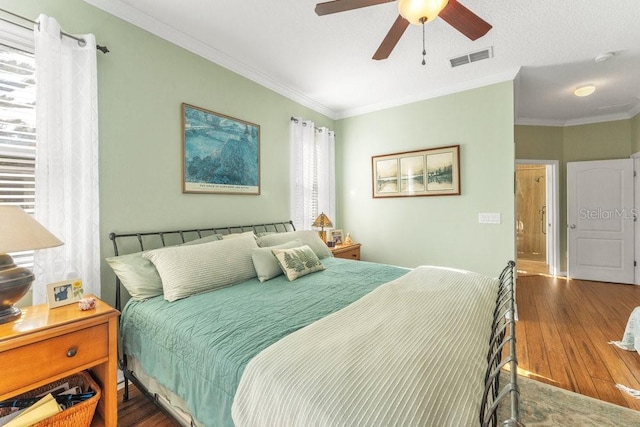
(312, 173)
(66, 158)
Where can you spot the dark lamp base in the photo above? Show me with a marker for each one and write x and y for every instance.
(9, 314)
(14, 284)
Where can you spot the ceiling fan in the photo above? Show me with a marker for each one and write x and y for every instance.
(414, 12)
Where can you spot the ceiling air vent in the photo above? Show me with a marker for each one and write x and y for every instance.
(471, 57)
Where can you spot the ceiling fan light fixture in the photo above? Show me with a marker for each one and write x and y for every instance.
(415, 11)
(585, 90)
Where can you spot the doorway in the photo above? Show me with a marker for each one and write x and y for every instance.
(536, 217)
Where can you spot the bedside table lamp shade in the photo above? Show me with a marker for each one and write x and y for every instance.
(18, 232)
(322, 221)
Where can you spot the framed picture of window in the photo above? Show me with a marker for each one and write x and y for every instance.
(428, 172)
(221, 154)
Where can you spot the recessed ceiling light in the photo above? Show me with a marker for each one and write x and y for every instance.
(585, 90)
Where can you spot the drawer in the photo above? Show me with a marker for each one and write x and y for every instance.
(44, 359)
(351, 253)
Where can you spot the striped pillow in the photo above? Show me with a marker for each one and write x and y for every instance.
(189, 270)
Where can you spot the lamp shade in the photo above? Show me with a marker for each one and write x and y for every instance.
(20, 232)
(322, 221)
(415, 10)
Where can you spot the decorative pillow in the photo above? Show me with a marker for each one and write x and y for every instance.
(238, 235)
(308, 237)
(188, 270)
(265, 262)
(138, 275)
(206, 239)
(297, 262)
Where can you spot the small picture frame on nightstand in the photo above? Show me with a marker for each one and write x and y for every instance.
(337, 237)
(64, 292)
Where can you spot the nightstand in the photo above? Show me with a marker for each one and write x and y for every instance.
(347, 251)
(44, 345)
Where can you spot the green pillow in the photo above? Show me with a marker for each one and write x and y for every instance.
(308, 237)
(138, 275)
(297, 262)
(207, 239)
(265, 262)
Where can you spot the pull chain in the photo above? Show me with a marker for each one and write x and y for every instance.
(424, 49)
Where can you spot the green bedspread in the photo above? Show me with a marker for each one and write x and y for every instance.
(198, 347)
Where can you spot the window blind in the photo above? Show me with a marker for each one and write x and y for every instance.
(17, 133)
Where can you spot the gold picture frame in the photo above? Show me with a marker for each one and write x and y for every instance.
(428, 172)
(220, 154)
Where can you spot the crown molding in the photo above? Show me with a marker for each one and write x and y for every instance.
(524, 121)
(142, 20)
(508, 75)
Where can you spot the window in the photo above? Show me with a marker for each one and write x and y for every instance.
(17, 131)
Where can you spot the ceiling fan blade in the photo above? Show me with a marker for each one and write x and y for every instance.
(336, 6)
(391, 40)
(465, 21)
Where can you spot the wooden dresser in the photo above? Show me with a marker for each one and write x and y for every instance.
(347, 251)
(45, 345)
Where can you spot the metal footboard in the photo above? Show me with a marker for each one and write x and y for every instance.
(502, 352)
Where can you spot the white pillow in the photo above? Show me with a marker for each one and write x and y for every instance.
(308, 237)
(265, 262)
(188, 270)
(297, 262)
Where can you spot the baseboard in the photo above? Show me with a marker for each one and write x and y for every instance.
(120, 381)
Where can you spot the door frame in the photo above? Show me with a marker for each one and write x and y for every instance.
(636, 203)
(553, 210)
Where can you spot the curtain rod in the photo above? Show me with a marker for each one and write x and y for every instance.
(80, 40)
(295, 120)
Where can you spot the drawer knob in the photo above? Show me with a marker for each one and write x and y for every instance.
(72, 351)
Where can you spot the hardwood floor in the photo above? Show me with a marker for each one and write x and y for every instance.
(563, 332)
(140, 411)
(529, 267)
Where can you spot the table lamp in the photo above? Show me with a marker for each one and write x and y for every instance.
(322, 221)
(18, 232)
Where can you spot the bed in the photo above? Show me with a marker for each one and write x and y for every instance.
(322, 349)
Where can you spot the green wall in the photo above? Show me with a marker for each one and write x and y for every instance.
(142, 83)
(414, 231)
(597, 141)
(635, 133)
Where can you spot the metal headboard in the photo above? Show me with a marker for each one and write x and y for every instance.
(156, 239)
(502, 352)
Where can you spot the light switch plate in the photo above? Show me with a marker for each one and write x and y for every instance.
(489, 218)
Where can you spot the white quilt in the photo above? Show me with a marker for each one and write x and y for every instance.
(412, 352)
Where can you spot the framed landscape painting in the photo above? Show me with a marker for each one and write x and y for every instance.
(221, 154)
(429, 172)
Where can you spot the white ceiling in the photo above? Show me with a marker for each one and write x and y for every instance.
(325, 62)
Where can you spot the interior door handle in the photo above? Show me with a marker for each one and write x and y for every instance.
(572, 226)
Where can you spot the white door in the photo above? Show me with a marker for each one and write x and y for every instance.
(600, 220)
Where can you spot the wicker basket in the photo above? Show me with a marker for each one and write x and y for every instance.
(79, 415)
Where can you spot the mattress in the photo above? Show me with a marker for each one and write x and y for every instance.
(413, 352)
(198, 347)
